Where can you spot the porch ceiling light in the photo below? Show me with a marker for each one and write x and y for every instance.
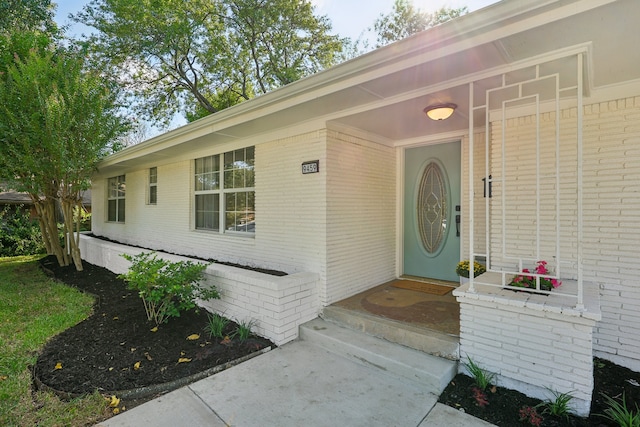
(440, 111)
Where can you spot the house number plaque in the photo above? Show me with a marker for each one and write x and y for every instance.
(311, 167)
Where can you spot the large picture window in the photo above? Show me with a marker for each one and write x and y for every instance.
(224, 192)
(115, 199)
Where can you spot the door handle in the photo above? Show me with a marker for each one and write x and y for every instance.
(457, 225)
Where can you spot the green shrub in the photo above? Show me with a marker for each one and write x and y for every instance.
(19, 234)
(559, 406)
(244, 329)
(166, 288)
(482, 378)
(216, 325)
(620, 414)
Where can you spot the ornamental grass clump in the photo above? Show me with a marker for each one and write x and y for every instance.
(526, 281)
(166, 288)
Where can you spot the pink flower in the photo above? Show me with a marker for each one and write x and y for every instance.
(541, 267)
(555, 283)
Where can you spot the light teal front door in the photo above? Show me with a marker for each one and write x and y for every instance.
(432, 211)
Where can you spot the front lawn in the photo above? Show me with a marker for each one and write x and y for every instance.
(34, 308)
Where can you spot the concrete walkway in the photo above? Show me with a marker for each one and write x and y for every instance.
(298, 384)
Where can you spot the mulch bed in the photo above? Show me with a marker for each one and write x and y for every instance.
(101, 352)
(501, 406)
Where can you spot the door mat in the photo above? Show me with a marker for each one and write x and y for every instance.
(429, 288)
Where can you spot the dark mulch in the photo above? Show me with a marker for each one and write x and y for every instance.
(256, 268)
(503, 406)
(100, 352)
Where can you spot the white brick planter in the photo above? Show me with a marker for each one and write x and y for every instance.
(533, 343)
(277, 304)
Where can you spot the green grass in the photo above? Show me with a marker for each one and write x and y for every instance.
(34, 308)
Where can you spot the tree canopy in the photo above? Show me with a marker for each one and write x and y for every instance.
(405, 20)
(27, 15)
(201, 56)
(57, 120)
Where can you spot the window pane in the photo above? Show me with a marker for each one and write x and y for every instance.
(207, 211)
(238, 178)
(249, 178)
(153, 175)
(228, 177)
(111, 216)
(230, 202)
(238, 157)
(120, 210)
(240, 211)
(250, 156)
(228, 160)
(153, 195)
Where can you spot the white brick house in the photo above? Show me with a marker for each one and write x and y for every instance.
(548, 102)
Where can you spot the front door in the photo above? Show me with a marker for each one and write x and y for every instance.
(431, 207)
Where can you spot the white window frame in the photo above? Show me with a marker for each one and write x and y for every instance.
(209, 179)
(153, 186)
(116, 193)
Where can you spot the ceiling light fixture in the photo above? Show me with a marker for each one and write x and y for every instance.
(440, 111)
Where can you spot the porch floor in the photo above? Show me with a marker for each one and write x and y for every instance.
(421, 310)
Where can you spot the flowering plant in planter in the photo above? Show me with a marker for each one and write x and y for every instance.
(546, 284)
(462, 269)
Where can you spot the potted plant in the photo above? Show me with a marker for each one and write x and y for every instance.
(463, 267)
(526, 281)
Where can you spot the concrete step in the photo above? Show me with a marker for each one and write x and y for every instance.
(434, 373)
(425, 340)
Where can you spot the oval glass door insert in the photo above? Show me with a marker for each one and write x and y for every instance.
(432, 208)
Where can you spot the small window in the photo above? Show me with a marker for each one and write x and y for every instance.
(153, 186)
(115, 199)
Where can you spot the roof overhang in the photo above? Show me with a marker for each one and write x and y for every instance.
(384, 92)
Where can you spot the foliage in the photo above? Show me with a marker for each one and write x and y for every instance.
(481, 377)
(244, 329)
(559, 406)
(166, 288)
(202, 56)
(530, 415)
(57, 120)
(480, 397)
(83, 217)
(19, 234)
(620, 414)
(405, 20)
(216, 325)
(462, 269)
(27, 15)
(34, 309)
(527, 281)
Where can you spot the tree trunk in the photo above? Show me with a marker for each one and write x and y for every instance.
(72, 234)
(46, 210)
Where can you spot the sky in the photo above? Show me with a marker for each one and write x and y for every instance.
(349, 17)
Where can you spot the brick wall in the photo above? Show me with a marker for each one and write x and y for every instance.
(290, 210)
(361, 215)
(611, 202)
(531, 343)
(538, 346)
(612, 225)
